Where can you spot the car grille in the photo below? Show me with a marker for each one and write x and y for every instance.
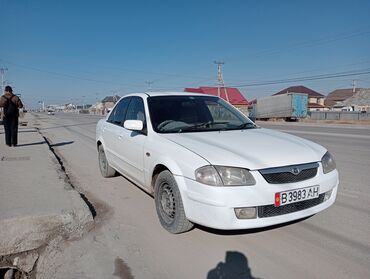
(286, 174)
(271, 210)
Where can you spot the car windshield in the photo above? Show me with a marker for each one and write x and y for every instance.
(181, 114)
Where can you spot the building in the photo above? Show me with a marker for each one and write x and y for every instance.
(109, 101)
(230, 94)
(69, 107)
(315, 99)
(98, 108)
(336, 98)
(359, 101)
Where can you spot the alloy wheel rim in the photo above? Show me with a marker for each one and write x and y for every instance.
(167, 202)
(103, 161)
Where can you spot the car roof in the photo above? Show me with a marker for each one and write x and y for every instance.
(154, 94)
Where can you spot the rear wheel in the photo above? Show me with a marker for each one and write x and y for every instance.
(105, 169)
(168, 203)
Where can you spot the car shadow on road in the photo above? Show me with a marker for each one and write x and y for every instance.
(66, 126)
(235, 266)
(61, 143)
(43, 142)
(30, 144)
(248, 231)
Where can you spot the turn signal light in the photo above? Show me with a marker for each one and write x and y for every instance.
(328, 195)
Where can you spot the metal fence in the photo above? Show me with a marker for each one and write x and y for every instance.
(339, 115)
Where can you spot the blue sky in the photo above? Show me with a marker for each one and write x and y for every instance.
(83, 50)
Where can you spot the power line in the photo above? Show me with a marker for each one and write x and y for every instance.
(151, 73)
(96, 80)
(308, 78)
(251, 84)
(321, 69)
(66, 75)
(311, 43)
(314, 43)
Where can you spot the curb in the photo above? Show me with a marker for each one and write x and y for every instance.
(28, 233)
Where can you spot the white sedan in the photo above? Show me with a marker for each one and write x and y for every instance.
(206, 163)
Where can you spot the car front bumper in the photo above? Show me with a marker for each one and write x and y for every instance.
(214, 207)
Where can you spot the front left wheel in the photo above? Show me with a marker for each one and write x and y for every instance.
(169, 206)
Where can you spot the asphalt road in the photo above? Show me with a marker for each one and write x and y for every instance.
(129, 242)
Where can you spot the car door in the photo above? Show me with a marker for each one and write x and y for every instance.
(132, 142)
(112, 131)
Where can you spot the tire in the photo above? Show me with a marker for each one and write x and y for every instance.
(169, 206)
(105, 169)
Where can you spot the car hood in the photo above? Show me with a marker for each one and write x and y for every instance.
(251, 148)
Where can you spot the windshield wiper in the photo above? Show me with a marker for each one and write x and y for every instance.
(247, 125)
(164, 124)
(201, 125)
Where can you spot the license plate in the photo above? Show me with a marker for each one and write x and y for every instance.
(297, 195)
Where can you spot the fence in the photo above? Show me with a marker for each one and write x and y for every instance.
(339, 115)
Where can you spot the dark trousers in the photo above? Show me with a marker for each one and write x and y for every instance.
(11, 130)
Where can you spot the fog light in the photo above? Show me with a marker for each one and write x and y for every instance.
(328, 195)
(246, 212)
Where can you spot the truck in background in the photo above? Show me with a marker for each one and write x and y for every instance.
(289, 106)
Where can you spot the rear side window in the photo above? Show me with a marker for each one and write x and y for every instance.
(119, 112)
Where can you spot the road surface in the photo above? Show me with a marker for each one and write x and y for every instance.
(129, 242)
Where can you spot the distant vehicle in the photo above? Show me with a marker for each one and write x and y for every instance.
(290, 106)
(207, 163)
(347, 108)
(51, 112)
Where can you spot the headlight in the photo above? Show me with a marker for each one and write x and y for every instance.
(224, 176)
(208, 175)
(328, 163)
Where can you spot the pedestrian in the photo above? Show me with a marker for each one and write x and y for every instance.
(11, 105)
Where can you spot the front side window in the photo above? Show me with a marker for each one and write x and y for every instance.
(136, 110)
(177, 114)
(118, 114)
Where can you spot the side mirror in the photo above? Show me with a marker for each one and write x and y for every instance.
(133, 125)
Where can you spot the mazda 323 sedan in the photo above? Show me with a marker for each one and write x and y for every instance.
(206, 163)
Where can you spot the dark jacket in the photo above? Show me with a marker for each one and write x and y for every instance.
(14, 98)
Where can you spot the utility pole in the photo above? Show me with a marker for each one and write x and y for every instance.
(354, 86)
(220, 80)
(43, 105)
(2, 73)
(149, 84)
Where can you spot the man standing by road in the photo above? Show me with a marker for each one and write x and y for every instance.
(10, 104)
